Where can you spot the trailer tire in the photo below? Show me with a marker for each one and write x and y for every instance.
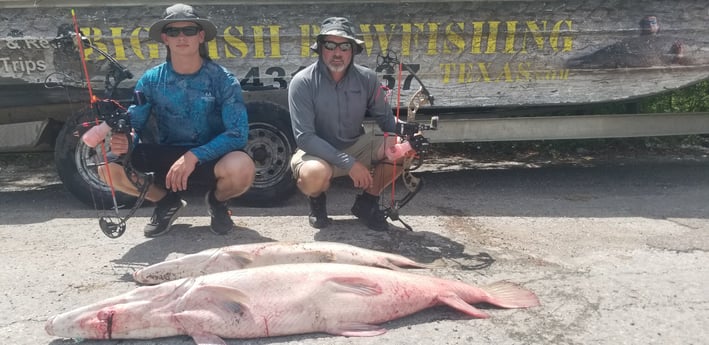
(271, 145)
(77, 166)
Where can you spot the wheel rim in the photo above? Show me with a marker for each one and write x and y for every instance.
(271, 151)
(88, 160)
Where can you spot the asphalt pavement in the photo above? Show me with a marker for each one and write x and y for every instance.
(617, 252)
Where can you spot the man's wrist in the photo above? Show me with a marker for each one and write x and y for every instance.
(190, 157)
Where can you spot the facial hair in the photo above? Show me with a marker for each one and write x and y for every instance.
(335, 68)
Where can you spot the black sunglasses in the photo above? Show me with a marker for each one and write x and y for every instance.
(187, 30)
(330, 45)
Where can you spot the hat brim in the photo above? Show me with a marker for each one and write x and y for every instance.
(210, 31)
(338, 33)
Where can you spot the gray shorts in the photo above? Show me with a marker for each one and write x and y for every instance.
(365, 150)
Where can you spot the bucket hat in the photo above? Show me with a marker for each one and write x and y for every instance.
(182, 13)
(341, 27)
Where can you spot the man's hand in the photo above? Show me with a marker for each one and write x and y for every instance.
(180, 171)
(361, 176)
(119, 144)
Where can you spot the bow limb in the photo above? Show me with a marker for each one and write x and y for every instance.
(413, 184)
(114, 227)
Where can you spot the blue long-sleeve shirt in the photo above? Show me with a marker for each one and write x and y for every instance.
(204, 110)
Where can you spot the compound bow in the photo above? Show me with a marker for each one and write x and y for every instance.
(410, 132)
(115, 115)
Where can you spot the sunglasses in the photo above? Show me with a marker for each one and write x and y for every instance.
(330, 45)
(187, 30)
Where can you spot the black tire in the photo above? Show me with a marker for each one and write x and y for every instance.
(77, 166)
(271, 145)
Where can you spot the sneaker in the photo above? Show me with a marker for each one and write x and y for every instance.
(318, 212)
(166, 211)
(221, 222)
(366, 208)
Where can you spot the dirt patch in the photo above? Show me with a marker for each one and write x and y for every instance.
(588, 152)
(27, 171)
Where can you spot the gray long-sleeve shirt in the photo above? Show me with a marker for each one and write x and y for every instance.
(327, 116)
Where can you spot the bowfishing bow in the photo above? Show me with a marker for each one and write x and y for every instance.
(113, 114)
(409, 134)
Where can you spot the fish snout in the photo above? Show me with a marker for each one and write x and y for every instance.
(137, 275)
(49, 326)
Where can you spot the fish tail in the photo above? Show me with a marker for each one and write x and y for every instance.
(508, 295)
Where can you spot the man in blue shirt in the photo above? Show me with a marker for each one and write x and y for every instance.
(328, 101)
(202, 126)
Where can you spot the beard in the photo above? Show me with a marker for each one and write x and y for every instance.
(336, 65)
(336, 68)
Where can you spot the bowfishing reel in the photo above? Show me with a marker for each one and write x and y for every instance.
(115, 114)
(411, 132)
(114, 119)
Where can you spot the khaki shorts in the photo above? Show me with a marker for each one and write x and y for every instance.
(365, 150)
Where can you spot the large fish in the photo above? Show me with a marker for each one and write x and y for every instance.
(339, 299)
(264, 254)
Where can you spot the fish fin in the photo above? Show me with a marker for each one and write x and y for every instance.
(357, 329)
(454, 301)
(508, 295)
(356, 285)
(397, 263)
(388, 264)
(226, 298)
(207, 339)
(242, 258)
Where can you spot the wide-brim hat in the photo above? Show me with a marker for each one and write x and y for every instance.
(182, 13)
(341, 27)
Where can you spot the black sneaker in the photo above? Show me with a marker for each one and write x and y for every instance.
(366, 208)
(166, 211)
(318, 212)
(221, 222)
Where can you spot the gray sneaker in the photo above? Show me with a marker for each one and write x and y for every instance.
(166, 212)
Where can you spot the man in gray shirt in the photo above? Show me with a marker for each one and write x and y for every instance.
(328, 101)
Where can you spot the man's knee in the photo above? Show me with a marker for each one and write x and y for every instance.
(314, 176)
(235, 165)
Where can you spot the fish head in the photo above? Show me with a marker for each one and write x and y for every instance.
(136, 320)
(77, 325)
(142, 313)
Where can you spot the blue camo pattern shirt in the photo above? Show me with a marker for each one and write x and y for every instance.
(204, 110)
